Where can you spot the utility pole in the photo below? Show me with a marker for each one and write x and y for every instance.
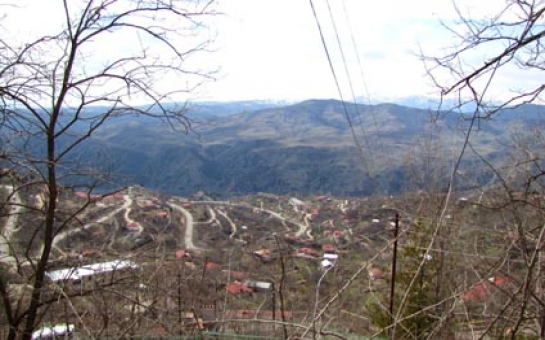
(393, 283)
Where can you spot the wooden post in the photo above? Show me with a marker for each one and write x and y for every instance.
(392, 285)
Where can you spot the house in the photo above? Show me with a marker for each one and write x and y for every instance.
(161, 214)
(376, 273)
(237, 288)
(260, 286)
(60, 331)
(331, 257)
(183, 254)
(263, 254)
(308, 251)
(326, 264)
(337, 233)
(329, 248)
(211, 265)
(481, 291)
(86, 272)
(133, 226)
(296, 202)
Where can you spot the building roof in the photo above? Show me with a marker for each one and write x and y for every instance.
(77, 273)
(329, 248)
(237, 288)
(211, 265)
(482, 290)
(306, 250)
(180, 253)
(326, 264)
(329, 256)
(52, 331)
(260, 285)
(376, 273)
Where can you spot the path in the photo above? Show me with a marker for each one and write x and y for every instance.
(231, 223)
(302, 228)
(188, 236)
(61, 236)
(10, 226)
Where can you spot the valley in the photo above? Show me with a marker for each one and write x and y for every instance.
(303, 149)
(276, 222)
(204, 264)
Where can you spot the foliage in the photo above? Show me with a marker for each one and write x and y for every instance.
(418, 297)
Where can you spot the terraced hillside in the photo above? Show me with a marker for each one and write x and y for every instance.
(184, 263)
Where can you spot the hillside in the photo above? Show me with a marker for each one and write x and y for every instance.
(304, 148)
(200, 258)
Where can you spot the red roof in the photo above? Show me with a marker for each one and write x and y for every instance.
(211, 265)
(328, 248)
(81, 194)
(238, 288)
(481, 290)
(161, 213)
(263, 252)
(376, 273)
(309, 251)
(477, 292)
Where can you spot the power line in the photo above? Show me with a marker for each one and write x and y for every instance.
(332, 69)
(362, 74)
(349, 78)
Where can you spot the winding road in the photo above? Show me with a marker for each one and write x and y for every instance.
(15, 207)
(189, 225)
(302, 228)
(61, 236)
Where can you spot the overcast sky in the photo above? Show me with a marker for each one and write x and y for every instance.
(272, 49)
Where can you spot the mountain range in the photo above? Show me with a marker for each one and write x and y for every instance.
(315, 146)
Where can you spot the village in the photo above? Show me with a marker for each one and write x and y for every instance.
(177, 265)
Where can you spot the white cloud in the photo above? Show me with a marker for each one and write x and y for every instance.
(271, 49)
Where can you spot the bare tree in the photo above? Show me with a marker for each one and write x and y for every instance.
(474, 71)
(485, 49)
(59, 89)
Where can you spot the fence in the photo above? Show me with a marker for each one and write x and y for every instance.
(197, 336)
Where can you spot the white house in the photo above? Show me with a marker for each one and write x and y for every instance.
(60, 331)
(76, 274)
(329, 256)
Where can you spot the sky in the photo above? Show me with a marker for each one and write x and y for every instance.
(273, 50)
